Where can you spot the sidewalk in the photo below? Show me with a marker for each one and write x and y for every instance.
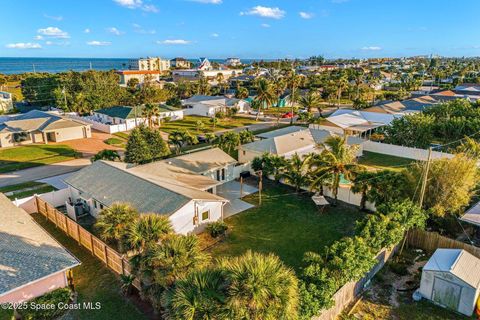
(37, 173)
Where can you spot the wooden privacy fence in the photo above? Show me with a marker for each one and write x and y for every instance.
(430, 241)
(97, 247)
(351, 290)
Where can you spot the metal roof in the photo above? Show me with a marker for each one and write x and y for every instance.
(458, 262)
(27, 252)
(202, 161)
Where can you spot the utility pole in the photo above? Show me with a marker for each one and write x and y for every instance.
(260, 185)
(425, 177)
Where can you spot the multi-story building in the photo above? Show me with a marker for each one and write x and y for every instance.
(180, 63)
(233, 62)
(150, 64)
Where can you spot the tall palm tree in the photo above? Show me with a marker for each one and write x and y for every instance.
(293, 82)
(310, 101)
(149, 229)
(200, 296)
(114, 221)
(265, 96)
(361, 184)
(150, 111)
(260, 287)
(337, 158)
(296, 172)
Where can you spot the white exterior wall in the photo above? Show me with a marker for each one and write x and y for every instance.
(182, 220)
(200, 109)
(468, 296)
(72, 133)
(229, 173)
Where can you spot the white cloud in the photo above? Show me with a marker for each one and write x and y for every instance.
(265, 25)
(215, 35)
(48, 43)
(372, 48)
(24, 45)
(265, 12)
(174, 42)
(208, 1)
(38, 37)
(56, 18)
(138, 29)
(87, 30)
(53, 32)
(98, 43)
(306, 15)
(115, 31)
(136, 4)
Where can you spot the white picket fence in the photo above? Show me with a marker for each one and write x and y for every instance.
(403, 152)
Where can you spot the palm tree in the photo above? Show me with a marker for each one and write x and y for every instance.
(149, 229)
(228, 141)
(293, 81)
(265, 96)
(260, 287)
(337, 158)
(114, 221)
(296, 172)
(361, 184)
(241, 93)
(200, 296)
(310, 101)
(150, 111)
(180, 138)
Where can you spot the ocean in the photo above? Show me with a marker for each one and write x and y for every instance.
(54, 65)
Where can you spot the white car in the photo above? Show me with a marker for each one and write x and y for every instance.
(254, 112)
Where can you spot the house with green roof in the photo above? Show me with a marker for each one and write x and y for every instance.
(134, 116)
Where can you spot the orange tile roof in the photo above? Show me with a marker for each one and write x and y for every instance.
(138, 72)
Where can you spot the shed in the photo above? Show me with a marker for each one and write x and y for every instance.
(451, 278)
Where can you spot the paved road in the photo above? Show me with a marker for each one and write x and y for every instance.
(42, 172)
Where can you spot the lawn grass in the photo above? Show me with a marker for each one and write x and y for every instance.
(189, 123)
(22, 157)
(117, 142)
(26, 189)
(286, 224)
(94, 282)
(383, 161)
(123, 135)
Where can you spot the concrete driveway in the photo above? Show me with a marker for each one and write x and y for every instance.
(231, 192)
(91, 146)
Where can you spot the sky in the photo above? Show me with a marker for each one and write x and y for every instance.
(239, 28)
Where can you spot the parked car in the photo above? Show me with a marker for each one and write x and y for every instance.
(254, 112)
(287, 115)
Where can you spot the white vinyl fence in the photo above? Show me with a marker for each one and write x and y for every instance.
(404, 152)
(108, 128)
(55, 198)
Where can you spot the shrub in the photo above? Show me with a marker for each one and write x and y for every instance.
(217, 228)
(55, 298)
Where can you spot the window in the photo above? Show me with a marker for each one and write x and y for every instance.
(223, 174)
(101, 206)
(218, 175)
(95, 203)
(205, 215)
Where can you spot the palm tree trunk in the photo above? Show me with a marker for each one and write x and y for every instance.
(363, 201)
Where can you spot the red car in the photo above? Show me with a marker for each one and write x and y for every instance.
(287, 115)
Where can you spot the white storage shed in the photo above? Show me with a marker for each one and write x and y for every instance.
(451, 278)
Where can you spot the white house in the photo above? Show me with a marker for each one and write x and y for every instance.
(41, 127)
(290, 142)
(451, 278)
(187, 198)
(233, 62)
(133, 116)
(32, 263)
(6, 101)
(208, 106)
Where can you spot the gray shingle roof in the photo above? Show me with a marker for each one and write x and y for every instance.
(110, 182)
(203, 161)
(27, 252)
(38, 120)
(280, 132)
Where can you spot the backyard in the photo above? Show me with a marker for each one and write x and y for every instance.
(390, 295)
(286, 224)
(94, 282)
(22, 157)
(26, 189)
(383, 161)
(190, 123)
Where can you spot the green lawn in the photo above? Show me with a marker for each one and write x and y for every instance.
(26, 189)
(383, 161)
(94, 282)
(123, 135)
(189, 123)
(286, 224)
(117, 142)
(22, 157)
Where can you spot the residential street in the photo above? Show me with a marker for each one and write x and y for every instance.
(42, 172)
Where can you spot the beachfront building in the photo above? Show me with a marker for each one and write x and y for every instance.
(180, 63)
(233, 62)
(150, 64)
(204, 70)
(141, 75)
(32, 263)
